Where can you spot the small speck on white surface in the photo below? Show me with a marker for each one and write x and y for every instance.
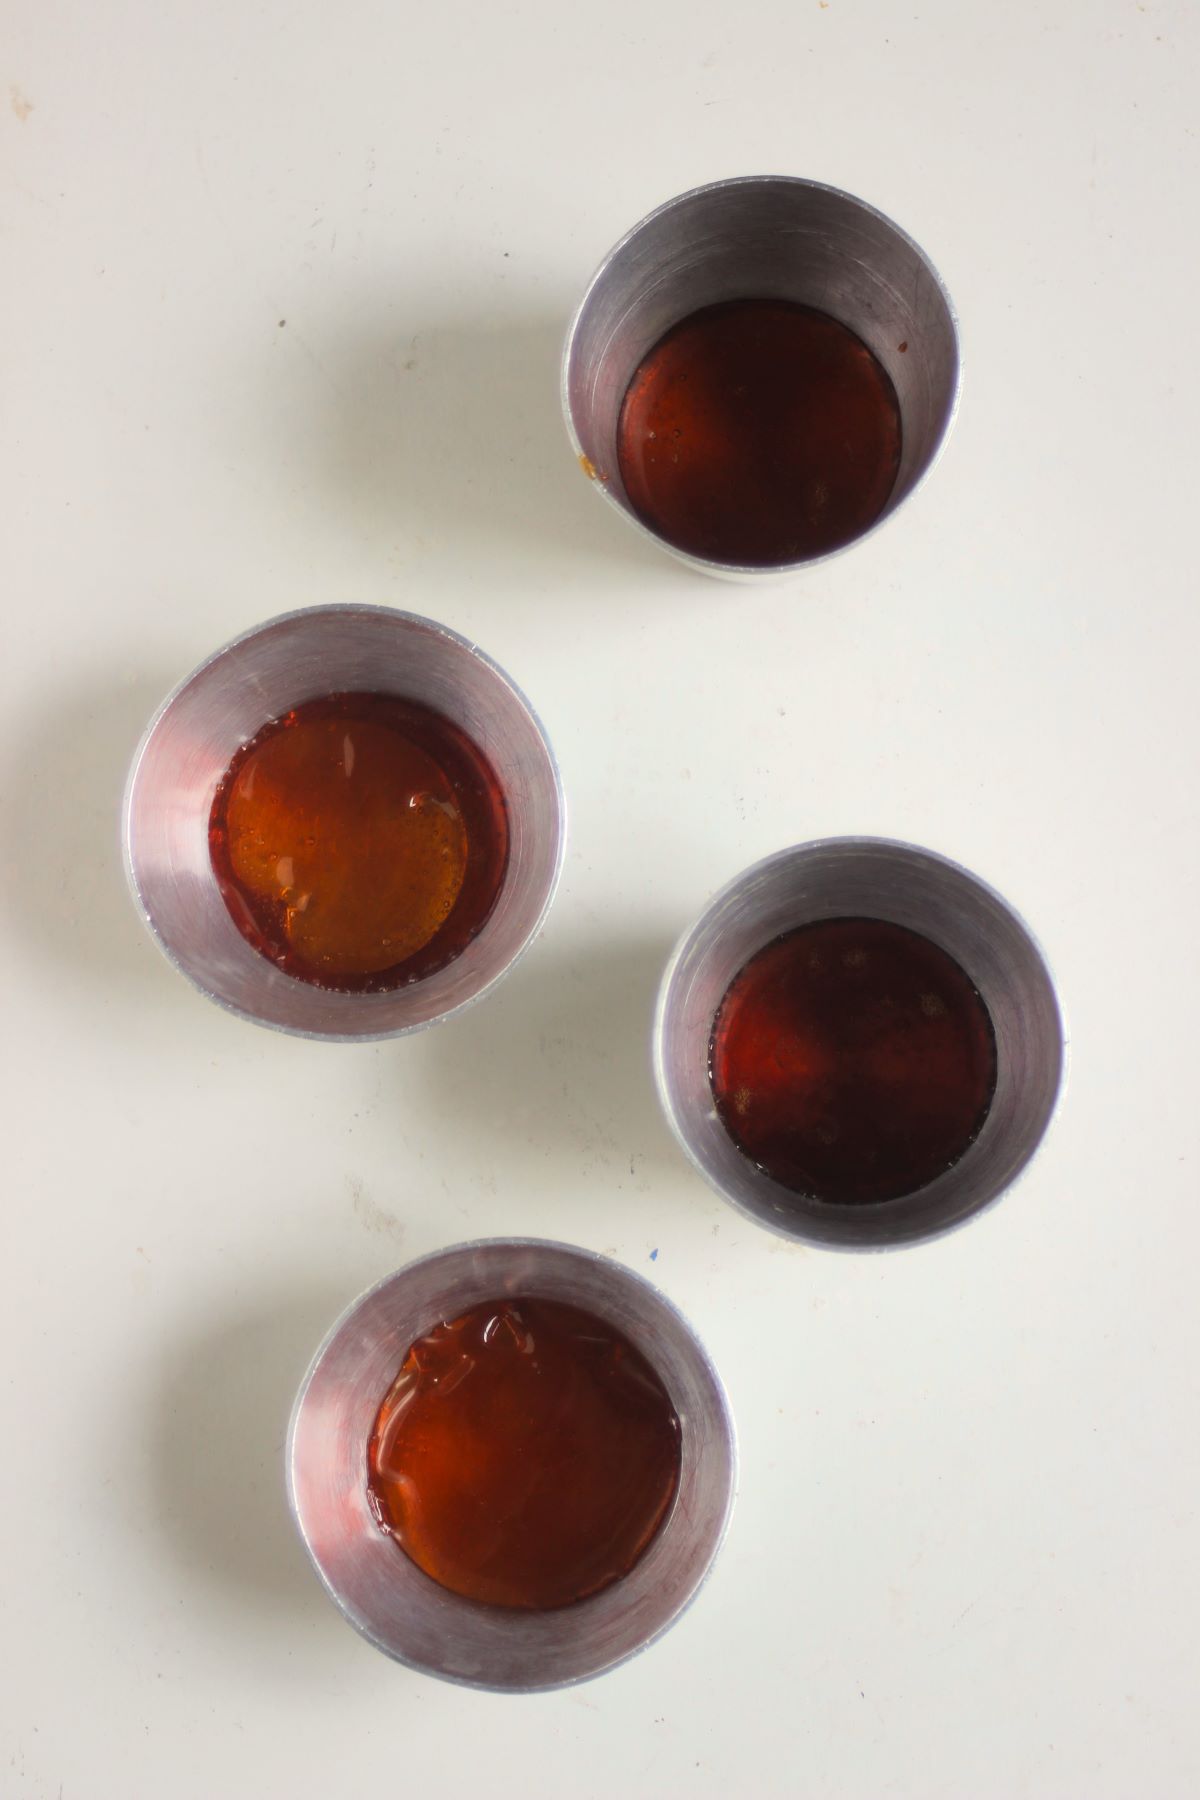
(264, 350)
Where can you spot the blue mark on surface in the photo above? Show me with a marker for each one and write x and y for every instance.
(654, 1256)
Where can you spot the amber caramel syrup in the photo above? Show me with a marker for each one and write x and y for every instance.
(360, 841)
(759, 432)
(525, 1455)
(853, 1060)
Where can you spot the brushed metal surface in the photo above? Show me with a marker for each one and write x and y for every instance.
(769, 237)
(879, 879)
(387, 1597)
(302, 656)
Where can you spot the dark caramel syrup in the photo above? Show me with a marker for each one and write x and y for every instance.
(759, 432)
(853, 1060)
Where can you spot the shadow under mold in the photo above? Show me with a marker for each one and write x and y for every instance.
(451, 432)
(220, 1423)
(559, 1058)
(62, 888)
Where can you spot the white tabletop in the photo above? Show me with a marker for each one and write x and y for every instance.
(284, 287)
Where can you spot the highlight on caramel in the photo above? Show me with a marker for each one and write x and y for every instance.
(360, 841)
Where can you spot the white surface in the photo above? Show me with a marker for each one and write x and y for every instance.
(963, 1562)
